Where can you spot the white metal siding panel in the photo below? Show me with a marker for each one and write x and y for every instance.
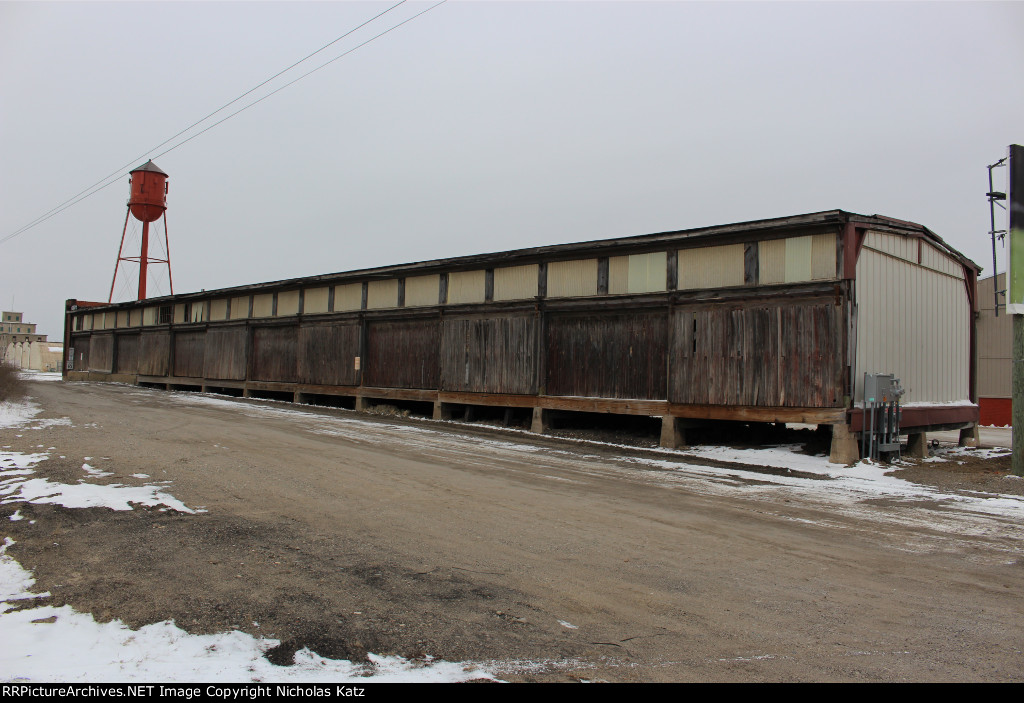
(647, 272)
(711, 267)
(219, 309)
(314, 300)
(122, 318)
(986, 301)
(198, 311)
(262, 305)
(288, 303)
(149, 316)
(422, 290)
(240, 307)
(569, 279)
(179, 313)
(915, 323)
(515, 282)
(901, 247)
(618, 275)
(934, 258)
(135, 317)
(466, 287)
(994, 379)
(348, 297)
(382, 294)
(995, 344)
(771, 261)
(798, 259)
(823, 257)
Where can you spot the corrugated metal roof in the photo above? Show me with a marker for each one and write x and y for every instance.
(589, 249)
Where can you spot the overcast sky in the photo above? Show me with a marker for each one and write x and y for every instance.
(480, 127)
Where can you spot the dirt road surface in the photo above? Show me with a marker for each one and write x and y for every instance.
(544, 559)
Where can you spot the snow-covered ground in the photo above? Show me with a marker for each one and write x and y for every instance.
(32, 375)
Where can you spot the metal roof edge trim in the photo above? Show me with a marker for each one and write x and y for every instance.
(599, 246)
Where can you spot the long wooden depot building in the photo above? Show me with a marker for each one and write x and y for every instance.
(766, 321)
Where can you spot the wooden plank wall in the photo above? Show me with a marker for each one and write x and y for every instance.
(783, 355)
(189, 354)
(101, 353)
(779, 352)
(80, 343)
(620, 355)
(127, 360)
(154, 353)
(275, 354)
(327, 354)
(489, 354)
(402, 354)
(225, 353)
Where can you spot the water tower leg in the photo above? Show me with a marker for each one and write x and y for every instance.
(119, 250)
(144, 261)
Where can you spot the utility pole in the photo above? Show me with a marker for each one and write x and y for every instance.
(1015, 299)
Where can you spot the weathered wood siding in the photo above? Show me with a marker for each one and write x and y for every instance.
(327, 354)
(607, 355)
(489, 355)
(101, 353)
(189, 354)
(402, 354)
(786, 355)
(225, 358)
(127, 354)
(154, 353)
(80, 343)
(275, 354)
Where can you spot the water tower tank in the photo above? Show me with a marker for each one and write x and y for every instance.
(148, 198)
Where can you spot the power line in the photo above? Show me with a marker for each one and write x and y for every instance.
(119, 172)
(115, 176)
(293, 82)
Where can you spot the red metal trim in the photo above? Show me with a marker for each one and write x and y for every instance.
(971, 283)
(922, 416)
(853, 241)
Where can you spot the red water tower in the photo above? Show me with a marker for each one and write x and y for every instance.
(147, 201)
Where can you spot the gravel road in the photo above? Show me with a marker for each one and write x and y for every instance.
(546, 559)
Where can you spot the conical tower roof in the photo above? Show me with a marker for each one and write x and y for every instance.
(149, 166)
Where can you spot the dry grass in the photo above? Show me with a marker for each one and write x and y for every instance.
(11, 385)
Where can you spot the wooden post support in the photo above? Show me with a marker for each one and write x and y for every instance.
(845, 449)
(917, 445)
(361, 404)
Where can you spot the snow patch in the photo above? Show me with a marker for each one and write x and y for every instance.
(16, 414)
(51, 644)
(15, 486)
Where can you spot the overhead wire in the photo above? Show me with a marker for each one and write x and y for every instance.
(115, 176)
(119, 172)
(293, 82)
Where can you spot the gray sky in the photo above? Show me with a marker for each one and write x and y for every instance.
(486, 126)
